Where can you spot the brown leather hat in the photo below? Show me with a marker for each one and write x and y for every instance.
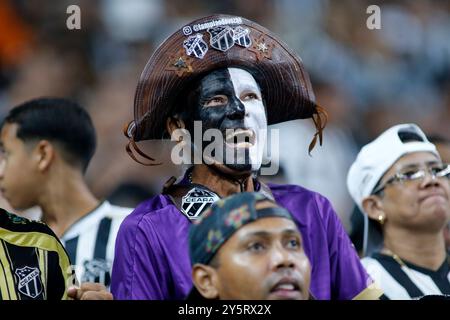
(213, 42)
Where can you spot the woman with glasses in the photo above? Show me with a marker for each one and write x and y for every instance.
(400, 182)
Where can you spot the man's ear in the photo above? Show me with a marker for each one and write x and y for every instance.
(205, 279)
(44, 153)
(373, 206)
(173, 123)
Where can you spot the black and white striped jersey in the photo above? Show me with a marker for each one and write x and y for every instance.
(407, 281)
(91, 240)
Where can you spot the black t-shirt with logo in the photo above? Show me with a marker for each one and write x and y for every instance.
(33, 263)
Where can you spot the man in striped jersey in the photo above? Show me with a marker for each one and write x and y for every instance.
(33, 263)
(47, 146)
(400, 182)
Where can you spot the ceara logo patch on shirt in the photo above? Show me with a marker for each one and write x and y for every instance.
(196, 201)
(29, 283)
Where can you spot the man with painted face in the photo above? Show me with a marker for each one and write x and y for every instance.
(234, 77)
(230, 101)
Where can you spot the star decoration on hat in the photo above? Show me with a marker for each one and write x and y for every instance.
(262, 48)
(180, 64)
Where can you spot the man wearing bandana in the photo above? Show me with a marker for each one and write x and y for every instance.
(231, 75)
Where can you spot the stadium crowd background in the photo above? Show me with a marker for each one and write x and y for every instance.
(368, 80)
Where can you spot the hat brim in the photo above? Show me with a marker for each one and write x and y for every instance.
(279, 72)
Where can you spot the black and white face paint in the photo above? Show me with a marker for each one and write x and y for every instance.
(248, 92)
(230, 100)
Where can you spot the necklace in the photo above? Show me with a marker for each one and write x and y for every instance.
(190, 177)
(411, 273)
(241, 183)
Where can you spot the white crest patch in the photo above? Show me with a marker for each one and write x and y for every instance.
(196, 201)
(29, 283)
(242, 37)
(196, 46)
(222, 37)
(97, 270)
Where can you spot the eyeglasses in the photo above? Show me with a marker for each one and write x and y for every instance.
(412, 174)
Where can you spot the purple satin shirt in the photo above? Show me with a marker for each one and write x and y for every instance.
(152, 256)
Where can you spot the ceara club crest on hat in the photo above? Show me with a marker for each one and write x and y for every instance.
(222, 37)
(242, 37)
(196, 46)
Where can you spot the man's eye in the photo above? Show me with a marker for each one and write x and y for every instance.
(410, 173)
(437, 169)
(250, 96)
(256, 247)
(294, 243)
(216, 101)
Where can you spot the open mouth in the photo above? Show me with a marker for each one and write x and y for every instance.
(240, 138)
(286, 289)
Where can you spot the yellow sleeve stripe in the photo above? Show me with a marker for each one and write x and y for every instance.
(7, 286)
(3, 288)
(372, 292)
(41, 241)
(42, 254)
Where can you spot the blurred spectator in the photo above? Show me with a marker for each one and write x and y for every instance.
(399, 182)
(442, 145)
(130, 194)
(47, 144)
(15, 36)
(323, 171)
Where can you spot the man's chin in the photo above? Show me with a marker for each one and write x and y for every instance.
(286, 295)
(240, 168)
(17, 207)
(237, 170)
(14, 204)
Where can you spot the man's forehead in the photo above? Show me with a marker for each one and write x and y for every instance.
(216, 80)
(410, 160)
(416, 159)
(241, 77)
(237, 77)
(267, 226)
